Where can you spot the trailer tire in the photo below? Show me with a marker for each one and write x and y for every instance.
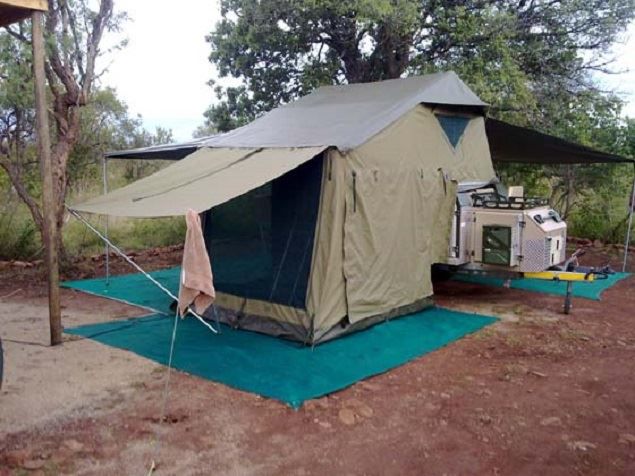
(440, 274)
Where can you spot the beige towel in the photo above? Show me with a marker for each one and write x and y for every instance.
(197, 285)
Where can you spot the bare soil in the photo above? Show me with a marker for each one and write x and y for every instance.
(536, 393)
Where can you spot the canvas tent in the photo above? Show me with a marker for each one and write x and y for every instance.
(325, 215)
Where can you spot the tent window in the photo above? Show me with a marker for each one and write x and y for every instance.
(453, 126)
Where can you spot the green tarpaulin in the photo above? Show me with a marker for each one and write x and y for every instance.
(280, 369)
(590, 290)
(258, 363)
(134, 288)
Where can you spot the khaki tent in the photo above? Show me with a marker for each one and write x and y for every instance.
(325, 215)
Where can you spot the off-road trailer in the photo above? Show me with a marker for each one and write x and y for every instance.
(501, 233)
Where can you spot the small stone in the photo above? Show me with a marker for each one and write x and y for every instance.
(325, 424)
(371, 387)
(73, 445)
(347, 416)
(485, 419)
(33, 464)
(538, 374)
(581, 446)
(352, 403)
(550, 421)
(323, 403)
(445, 396)
(365, 411)
(627, 439)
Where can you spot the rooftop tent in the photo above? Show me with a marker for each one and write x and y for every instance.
(325, 215)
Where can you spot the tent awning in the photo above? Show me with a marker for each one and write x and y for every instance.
(175, 151)
(204, 179)
(509, 143)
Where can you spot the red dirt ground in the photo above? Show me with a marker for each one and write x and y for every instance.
(537, 393)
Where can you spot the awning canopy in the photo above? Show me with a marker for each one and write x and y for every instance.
(176, 151)
(509, 143)
(204, 179)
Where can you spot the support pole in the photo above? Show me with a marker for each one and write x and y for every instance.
(567, 297)
(49, 201)
(107, 246)
(631, 206)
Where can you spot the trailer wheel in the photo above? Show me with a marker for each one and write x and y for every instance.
(440, 274)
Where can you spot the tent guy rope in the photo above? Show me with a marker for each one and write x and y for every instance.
(137, 267)
(164, 405)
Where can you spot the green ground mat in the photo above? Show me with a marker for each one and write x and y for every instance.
(280, 369)
(134, 288)
(590, 290)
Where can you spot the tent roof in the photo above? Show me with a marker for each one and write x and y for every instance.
(347, 116)
(341, 116)
(509, 143)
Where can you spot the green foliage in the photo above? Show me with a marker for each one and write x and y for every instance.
(105, 125)
(527, 59)
(20, 242)
(129, 234)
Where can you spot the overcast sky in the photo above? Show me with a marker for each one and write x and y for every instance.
(162, 73)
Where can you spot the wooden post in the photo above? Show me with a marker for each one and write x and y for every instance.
(49, 201)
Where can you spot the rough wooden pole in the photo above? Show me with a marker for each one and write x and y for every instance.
(49, 200)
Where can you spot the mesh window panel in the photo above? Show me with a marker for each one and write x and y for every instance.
(453, 126)
(261, 243)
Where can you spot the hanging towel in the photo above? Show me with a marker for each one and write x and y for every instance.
(197, 285)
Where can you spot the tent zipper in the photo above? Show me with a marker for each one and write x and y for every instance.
(354, 191)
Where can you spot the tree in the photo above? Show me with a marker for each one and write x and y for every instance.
(106, 125)
(528, 56)
(73, 33)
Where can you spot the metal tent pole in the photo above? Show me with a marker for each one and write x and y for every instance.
(105, 174)
(631, 206)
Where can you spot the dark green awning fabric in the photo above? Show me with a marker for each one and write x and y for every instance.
(509, 143)
(172, 153)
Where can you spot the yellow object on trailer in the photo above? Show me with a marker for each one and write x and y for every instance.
(561, 276)
(567, 276)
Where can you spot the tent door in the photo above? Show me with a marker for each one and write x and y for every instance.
(385, 249)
